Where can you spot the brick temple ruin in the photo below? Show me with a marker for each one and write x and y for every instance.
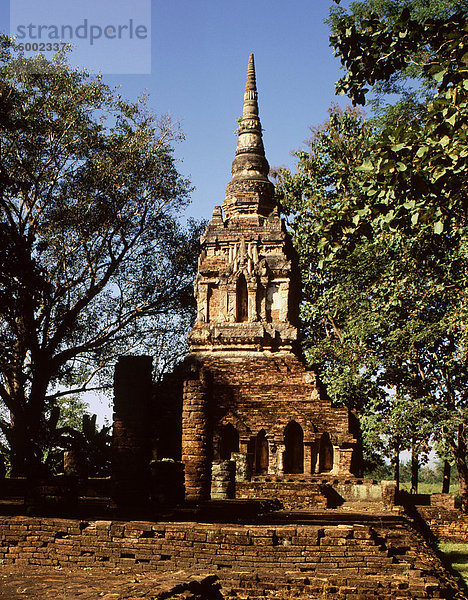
(240, 425)
(250, 399)
(243, 413)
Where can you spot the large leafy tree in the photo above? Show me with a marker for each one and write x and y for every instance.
(420, 160)
(355, 322)
(408, 86)
(417, 189)
(95, 262)
(392, 251)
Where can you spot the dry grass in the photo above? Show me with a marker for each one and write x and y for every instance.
(457, 554)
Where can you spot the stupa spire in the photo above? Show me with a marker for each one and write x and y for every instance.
(250, 95)
(250, 193)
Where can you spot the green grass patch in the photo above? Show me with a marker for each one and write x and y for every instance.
(430, 488)
(457, 554)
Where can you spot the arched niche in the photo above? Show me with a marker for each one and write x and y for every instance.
(325, 454)
(242, 300)
(228, 441)
(212, 302)
(293, 459)
(259, 453)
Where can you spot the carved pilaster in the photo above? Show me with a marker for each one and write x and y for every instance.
(307, 459)
(203, 302)
(283, 301)
(280, 449)
(231, 303)
(222, 312)
(272, 457)
(252, 301)
(262, 294)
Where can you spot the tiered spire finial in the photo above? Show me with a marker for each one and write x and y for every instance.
(250, 192)
(250, 129)
(250, 95)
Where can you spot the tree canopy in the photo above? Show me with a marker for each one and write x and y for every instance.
(379, 212)
(95, 260)
(433, 141)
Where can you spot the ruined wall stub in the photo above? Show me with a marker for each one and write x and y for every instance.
(131, 436)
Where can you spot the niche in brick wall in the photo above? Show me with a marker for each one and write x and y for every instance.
(325, 454)
(293, 448)
(228, 442)
(258, 453)
(213, 302)
(242, 302)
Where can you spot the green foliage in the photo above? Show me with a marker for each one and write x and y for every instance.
(432, 141)
(384, 248)
(354, 316)
(380, 472)
(72, 411)
(457, 555)
(416, 191)
(94, 444)
(390, 45)
(95, 261)
(90, 444)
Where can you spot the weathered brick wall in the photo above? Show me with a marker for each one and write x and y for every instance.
(261, 396)
(443, 501)
(292, 495)
(268, 392)
(131, 436)
(258, 394)
(446, 524)
(345, 561)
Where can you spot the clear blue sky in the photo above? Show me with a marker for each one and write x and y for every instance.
(199, 61)
(199, 54)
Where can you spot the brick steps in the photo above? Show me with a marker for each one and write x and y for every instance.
(335, 517)
(387, 559)
(291, 494)
(363, 506)
(342, 559)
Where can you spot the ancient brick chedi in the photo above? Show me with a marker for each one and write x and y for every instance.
(251, 410)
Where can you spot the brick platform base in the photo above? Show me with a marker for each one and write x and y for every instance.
(388, 559)
(446, 524)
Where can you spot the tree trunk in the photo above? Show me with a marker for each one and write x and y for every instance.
(396, 466)
(23, 457)
(460, 453)
(414, 470)
(446, 478)
(463, 477)
(18, 440)
(27, 434)
(20, 456)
